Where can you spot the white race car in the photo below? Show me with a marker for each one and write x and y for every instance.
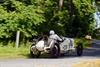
(50, 46)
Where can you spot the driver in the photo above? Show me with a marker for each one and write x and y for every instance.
(54, 36)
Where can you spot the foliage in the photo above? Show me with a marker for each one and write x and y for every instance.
(75, 18)
(16, 15)
(86, 43)
(37, 17)
(81, 21)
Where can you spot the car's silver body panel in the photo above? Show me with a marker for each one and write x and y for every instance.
(65, 46)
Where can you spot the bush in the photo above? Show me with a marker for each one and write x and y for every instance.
(86, 43)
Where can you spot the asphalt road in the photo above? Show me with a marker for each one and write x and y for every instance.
(65, 61)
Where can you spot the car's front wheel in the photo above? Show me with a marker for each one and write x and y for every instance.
(36, 55)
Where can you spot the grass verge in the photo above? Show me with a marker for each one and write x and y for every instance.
(11, 52)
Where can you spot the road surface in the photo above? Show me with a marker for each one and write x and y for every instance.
(65, 61)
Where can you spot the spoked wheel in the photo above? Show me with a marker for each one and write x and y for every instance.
(79, 49)
(55, 51)
(36, 55)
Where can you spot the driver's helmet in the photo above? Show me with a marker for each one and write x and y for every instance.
(51, 32)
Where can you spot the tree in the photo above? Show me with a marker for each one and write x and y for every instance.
(35, 17)
(81, 21)
(15, 15)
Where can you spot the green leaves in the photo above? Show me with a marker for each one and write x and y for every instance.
(15, 15)
(82, 22)
(33, 17)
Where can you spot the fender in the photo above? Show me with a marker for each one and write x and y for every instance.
(40, 45)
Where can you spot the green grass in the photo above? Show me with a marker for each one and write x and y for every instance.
(12, 52)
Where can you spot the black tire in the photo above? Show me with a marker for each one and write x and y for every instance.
(55, 51)
(33, 55)
(79, 49)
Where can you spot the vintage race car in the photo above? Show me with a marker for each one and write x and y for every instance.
(55, 49)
